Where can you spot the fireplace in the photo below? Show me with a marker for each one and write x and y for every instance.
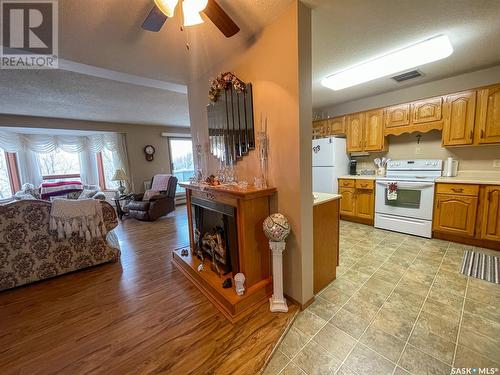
(215, 235)
(226, 238)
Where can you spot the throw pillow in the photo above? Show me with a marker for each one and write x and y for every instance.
(87, 193)
(148, 194)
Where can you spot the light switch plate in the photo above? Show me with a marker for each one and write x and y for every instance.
(496, 163)
(418, 150)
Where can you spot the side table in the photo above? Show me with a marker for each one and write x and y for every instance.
(120, 204)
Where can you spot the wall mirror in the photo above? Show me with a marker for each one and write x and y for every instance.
(230, 118)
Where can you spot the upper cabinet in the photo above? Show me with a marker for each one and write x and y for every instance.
(488, 118)
(355, 125)
(459, 115)
(428, 110)
(397, 115)
(374, 131)
(422, 116)
(365, 131)
(468, 118)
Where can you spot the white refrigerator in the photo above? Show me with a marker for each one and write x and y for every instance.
(330, 161)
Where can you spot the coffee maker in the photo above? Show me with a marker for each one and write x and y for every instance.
(352, 167)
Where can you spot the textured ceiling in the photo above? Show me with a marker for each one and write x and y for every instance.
(107, 34)
(62, 94)
(346, 33)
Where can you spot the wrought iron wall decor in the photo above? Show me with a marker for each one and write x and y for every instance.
(230, 118)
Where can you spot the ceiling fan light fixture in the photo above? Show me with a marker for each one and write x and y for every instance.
(191, 10)
(167, 6)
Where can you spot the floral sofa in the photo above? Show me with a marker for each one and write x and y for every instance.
(29, 252)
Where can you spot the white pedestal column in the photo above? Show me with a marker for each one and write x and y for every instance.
(277, 301)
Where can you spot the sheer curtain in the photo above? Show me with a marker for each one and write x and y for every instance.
(28, 167)
(120, 159)
(88, 168)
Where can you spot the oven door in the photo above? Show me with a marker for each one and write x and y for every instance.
(415, 199)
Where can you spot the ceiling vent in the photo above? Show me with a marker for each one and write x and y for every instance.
(406, 76)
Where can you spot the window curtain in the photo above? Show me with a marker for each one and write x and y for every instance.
(28, 167)
(120, 159)
(42, 143)
(88, 168)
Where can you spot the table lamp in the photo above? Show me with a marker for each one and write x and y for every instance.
(120, 176)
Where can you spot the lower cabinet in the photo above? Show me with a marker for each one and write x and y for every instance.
(455, 214)
(468, 213)
(490, 226)
(358, 200)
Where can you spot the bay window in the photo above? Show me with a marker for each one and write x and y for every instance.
(58, 165)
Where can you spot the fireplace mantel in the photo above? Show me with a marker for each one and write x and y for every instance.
(251, 206)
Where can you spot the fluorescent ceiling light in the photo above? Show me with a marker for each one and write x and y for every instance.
(429, 50)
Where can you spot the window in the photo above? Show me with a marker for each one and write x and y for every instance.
(9, 178)
(59, 164)
(106, 170)
(181, 156)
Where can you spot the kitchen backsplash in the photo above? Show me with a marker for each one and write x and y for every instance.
(405, 147)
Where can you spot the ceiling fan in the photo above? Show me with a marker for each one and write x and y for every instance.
(190, 9)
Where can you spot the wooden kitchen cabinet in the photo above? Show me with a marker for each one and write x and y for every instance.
(364, 206)
(490, 226)
(319, 129)
(347, 201)
(459, 118)
(397, 115)
(467, 213)
(455, 214)
(488, 117)
(337, 125)
(374, 139)
(428, 110)
(355, 125)
(358, 200)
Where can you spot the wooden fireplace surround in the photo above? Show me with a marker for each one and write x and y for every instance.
(252, 207)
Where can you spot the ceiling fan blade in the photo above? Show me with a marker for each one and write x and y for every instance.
(155, 20)
(220, 18)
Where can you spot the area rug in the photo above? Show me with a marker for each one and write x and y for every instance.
(481, 266)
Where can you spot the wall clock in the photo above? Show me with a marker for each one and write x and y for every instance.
(149, 151)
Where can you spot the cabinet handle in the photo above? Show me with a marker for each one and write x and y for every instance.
(482, 133)
(457, 190)
(471, 134)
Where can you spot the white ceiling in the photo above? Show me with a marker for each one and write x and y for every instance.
(346, 33)
(107, 34)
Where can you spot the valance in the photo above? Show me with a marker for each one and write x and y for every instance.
(43, 143)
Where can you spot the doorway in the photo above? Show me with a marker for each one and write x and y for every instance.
(181, 159)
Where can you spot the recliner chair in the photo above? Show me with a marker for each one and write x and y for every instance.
(159, 204)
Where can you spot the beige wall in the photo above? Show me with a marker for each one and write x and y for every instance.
(137, 137)
(280, 73)
(405, 146)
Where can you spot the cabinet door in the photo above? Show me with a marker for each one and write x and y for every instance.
(364, 206)
(490, 226)
(397, 115)
(374, 130)
(427, 110)
(319, 128)
(355, 132)
(455, 214)
(488, 122)
(459, 117)
(337, 125)
(347, 201)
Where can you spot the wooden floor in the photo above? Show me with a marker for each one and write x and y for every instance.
(140, 316)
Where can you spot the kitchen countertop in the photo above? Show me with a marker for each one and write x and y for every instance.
(359, 177)
(473, 177)
(320, 198)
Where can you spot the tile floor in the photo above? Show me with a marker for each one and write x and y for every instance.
(399, 305)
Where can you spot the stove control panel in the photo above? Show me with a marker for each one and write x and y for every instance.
(415, 165)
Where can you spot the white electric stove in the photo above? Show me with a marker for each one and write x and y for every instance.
(411, 211)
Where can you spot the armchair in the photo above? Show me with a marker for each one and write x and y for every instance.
(157, 202)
